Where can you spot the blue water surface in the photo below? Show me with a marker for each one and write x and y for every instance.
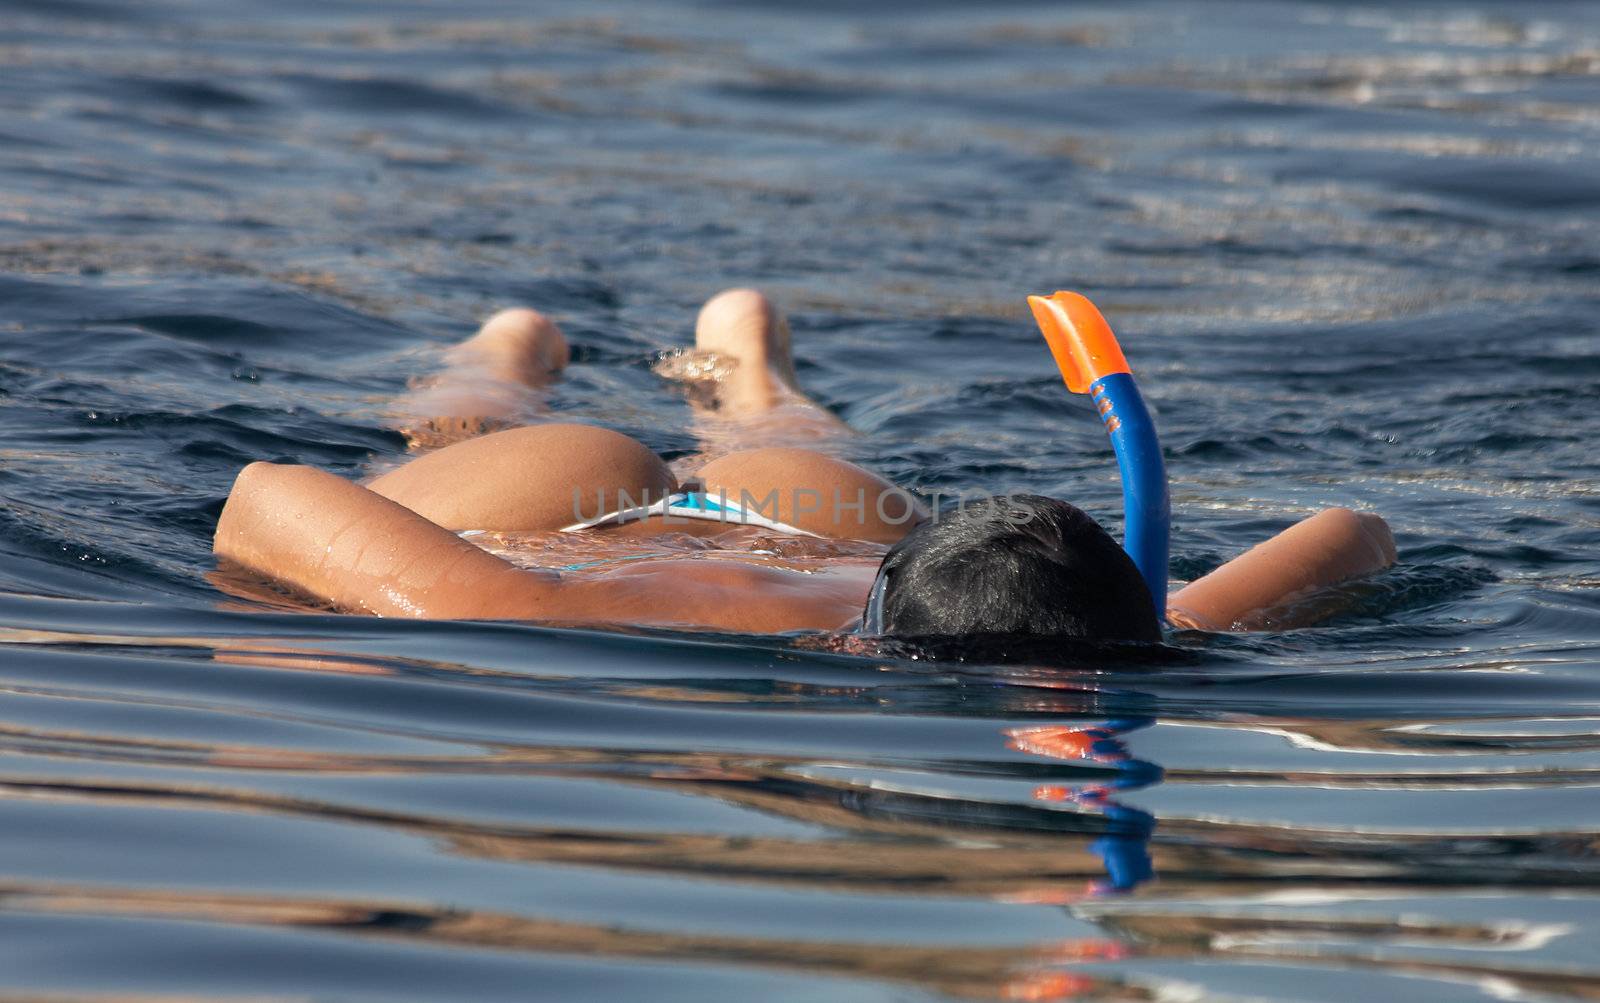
(1353, 252)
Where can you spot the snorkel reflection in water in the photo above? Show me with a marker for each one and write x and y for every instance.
(1125, 847)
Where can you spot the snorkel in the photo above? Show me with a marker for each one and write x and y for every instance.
(1092, 362)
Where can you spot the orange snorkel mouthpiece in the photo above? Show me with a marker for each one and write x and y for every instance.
(1079, 338)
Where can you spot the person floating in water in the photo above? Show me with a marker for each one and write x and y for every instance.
(796, 540)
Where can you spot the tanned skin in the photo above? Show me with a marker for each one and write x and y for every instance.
(392, 548)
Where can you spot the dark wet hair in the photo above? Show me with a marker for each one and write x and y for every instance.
(1018, 565)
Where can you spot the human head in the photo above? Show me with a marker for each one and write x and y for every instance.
(1022, 565)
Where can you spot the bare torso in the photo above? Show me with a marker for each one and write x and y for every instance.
(821, 583)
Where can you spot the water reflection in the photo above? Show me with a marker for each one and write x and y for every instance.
(1015, 796)
(1125, 848)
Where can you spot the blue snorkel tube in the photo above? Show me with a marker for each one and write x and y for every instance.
(1092, 362)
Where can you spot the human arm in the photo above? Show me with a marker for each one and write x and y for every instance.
(337, 541)
(1266, 587)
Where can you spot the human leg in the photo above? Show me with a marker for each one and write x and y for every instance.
(743, 391)
(486, 379)
(743, 327)
(517, 345)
